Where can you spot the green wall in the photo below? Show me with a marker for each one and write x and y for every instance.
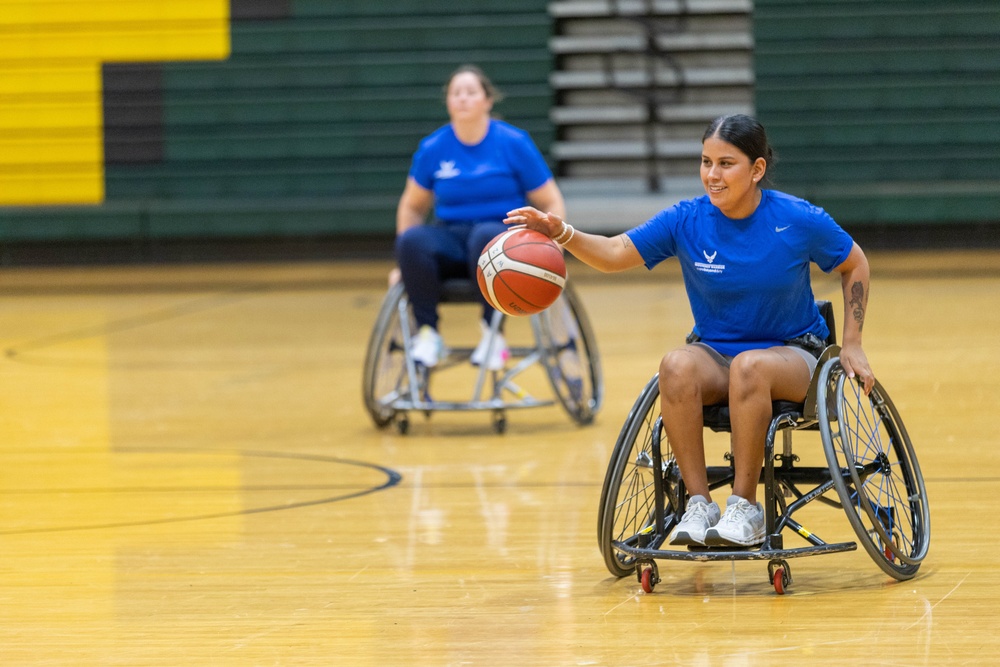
(884, 111)
(307, 129)
(881, 112)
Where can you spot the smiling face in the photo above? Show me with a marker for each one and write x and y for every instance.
(467, 99)
(730, 178)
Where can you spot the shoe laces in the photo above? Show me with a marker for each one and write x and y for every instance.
(739, 511)
(696, 511)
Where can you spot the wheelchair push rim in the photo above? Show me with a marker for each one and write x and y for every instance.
(385, 374)
(627, 511)
(572, 362)
(875, 471)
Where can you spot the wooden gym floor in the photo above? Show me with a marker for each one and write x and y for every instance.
(189, 478)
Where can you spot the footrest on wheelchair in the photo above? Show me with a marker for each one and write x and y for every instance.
(728, 553)
(465, 406)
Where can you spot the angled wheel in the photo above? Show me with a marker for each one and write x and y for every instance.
(571, 360)
(628, 499)
(384, 378)
(875, 471)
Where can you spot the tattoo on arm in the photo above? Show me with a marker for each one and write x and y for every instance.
(626, 241)
(857, 303)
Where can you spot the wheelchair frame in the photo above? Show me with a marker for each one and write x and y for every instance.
(879, 484)
(494, 391)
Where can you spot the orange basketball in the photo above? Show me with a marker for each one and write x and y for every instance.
(521, 272)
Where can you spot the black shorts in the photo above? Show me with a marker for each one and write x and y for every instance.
(809, 347)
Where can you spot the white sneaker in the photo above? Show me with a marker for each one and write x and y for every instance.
(742, 525)
(498, 354)
(428, 347)
(700, 516)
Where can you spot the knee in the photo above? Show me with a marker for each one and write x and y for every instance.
(747, 376)
(678, 376)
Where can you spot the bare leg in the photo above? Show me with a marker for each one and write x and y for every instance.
(756, 378)
(689, 380)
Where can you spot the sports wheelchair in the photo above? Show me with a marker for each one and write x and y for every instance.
(871, 467)
(564, 344)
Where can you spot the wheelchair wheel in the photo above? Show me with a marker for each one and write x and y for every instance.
(571, 361)
(628, 499)
(385, 378)
(875, 471)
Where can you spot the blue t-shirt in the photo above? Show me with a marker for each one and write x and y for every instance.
(482, 182)
(747, 280)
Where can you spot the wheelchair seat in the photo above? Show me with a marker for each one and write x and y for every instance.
(562, 343)
(459, 290)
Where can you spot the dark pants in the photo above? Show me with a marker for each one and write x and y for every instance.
(430, 254)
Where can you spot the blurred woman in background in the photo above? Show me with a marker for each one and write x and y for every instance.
(471, 172)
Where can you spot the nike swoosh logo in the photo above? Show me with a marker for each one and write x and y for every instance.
(781, 229)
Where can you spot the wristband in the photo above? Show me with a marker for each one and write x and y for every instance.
(567, 229)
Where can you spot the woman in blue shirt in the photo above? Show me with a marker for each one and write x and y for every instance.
(745, 254)
(471, 171)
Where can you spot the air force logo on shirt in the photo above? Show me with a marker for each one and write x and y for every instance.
(709, 265)
(447, 170)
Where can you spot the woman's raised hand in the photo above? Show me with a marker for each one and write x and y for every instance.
(549, 224)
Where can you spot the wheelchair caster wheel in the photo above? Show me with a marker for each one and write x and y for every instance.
(780, 576)
(499, 423)
(402, 425)
(649, 576)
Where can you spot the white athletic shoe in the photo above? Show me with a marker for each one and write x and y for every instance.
(700, 516)
(741, 525)
(498, 354)
(428, 347)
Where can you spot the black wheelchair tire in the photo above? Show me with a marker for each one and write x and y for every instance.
(379, 345)
(864, 435)
(622, 522)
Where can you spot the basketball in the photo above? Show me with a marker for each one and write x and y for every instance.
(521, 272)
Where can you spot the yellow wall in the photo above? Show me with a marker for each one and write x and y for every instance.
(51, 52)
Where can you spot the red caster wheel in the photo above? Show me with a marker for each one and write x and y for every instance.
(649, 576)
(647, 580)
(778, 579)
(780, 576)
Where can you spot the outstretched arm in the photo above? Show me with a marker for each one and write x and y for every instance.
(854, 277)
(601, 252)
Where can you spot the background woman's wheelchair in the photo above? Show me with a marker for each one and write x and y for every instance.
(563, 344)
(871, 468)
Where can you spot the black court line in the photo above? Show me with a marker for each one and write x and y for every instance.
(392, 479)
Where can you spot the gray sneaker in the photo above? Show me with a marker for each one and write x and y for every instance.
(698, 518)
(742, 525)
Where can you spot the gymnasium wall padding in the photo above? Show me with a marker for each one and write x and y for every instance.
(885, 111)
(207, 119)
